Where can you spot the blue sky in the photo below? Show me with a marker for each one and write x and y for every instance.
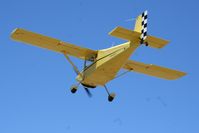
(34, 83)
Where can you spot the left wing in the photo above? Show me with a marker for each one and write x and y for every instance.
(49, 43)
(153, 70)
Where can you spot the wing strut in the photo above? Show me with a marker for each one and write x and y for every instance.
(78, 73)
(73, 65)
(122, 74)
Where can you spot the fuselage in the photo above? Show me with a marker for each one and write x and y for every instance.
(106, 65)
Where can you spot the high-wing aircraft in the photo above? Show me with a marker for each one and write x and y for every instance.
(106, 63)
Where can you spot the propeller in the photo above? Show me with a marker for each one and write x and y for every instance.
(88, 92)
(86, 89)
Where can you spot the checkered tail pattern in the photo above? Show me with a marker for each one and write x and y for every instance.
(143, 35)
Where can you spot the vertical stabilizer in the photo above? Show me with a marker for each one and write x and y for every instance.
(141, 25)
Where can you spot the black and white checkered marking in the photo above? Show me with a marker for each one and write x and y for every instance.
(143, 35)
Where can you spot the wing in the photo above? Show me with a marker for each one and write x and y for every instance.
(153, 70)
(130, 35)
(49, 43)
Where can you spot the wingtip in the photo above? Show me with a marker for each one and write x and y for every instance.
(13, 33)
(112, 31)
(178, 75)
(183, 74)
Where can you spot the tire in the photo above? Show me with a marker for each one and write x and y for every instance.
(73, 89)
(110, 98)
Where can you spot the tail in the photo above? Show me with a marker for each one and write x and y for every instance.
(139, 34)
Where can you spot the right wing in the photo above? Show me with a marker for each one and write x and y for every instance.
(49, 43)
(153, 70)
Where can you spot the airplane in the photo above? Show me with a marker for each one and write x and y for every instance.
(105, 64)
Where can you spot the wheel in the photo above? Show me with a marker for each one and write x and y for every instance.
(146, 44)
(111, 97)
(73, 89)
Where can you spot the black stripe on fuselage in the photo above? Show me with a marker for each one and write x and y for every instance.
(101, 59)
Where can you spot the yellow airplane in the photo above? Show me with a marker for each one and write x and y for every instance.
(106, 63)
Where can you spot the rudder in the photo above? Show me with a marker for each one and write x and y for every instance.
(141, 26)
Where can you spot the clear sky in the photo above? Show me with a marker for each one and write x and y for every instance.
(34, 83)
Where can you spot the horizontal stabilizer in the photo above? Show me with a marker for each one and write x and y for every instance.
(49, 43)
(125, 34)
(156, 42)
(153, 70)
(134, 36)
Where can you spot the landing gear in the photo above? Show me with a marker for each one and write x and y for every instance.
(73, 89)
(146, 43)
(110, 96)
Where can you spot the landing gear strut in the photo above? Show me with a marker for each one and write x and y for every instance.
(111, 96)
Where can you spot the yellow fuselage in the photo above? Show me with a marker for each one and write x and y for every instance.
(107, 64)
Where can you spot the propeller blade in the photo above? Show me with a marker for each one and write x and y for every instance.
(88, 92)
